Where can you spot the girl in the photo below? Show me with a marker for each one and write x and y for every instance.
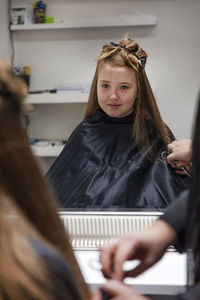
(116, 157)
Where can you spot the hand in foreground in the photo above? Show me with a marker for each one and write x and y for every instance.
(180, 155)
(147, 247)
(118, 291)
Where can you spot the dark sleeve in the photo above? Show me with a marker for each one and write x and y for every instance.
(176, 217)
(193, 293)
(62, 282)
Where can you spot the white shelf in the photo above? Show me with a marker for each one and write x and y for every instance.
(47, 151)
(51, 98)
(125, 20)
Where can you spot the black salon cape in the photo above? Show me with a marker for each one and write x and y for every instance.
(101, 167)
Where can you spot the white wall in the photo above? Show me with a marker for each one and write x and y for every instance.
(60, 57)
(5, 52)
(67, 56)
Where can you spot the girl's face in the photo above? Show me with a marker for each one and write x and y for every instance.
(116, 90)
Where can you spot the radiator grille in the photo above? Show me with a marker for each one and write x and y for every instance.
(91, 230)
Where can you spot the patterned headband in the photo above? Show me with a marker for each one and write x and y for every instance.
(140, 60)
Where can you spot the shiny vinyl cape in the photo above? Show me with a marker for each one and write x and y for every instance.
(101, 167)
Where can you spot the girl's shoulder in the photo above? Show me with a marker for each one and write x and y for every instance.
(47, 252)
(64, 284)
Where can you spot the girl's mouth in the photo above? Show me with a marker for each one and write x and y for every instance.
(114, 105)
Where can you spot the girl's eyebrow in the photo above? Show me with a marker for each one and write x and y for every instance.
(123, 82)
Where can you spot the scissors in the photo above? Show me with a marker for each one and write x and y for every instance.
(164, 155)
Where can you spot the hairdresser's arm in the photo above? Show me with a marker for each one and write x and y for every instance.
(176, 217)
(180, 155)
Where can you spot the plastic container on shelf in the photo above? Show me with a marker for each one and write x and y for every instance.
(18, 14)
(39, 12)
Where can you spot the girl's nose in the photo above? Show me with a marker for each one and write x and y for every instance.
(114, 95)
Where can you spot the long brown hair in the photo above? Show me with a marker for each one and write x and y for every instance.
(21, 178)
(147, 123)
(20, 265)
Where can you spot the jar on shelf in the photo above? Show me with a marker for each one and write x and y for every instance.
(39, 12)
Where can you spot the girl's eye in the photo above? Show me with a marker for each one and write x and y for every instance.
(124, 87)
(104, 85)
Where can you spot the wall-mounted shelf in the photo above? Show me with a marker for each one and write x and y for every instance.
(125, 20)
(47, 151)
(51, 98)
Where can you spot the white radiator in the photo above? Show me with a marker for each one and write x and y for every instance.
(89, 230)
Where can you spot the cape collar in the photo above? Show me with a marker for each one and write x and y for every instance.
(101, 115)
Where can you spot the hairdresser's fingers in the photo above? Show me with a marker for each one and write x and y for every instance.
(143, 266)
(171, 158)
(119, 291)
(182, 150)
(179, 172)
(177, 167)
(114, 255)
(107, 254)
(185, 171)
(96, 295)
(183, 168)
(171, 146)
(130, 249)
(146, 260)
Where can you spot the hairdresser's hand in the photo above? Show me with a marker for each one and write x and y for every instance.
(147, 247)
(115, 290)
(119, 291)
(180, 155)
(96, 295)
